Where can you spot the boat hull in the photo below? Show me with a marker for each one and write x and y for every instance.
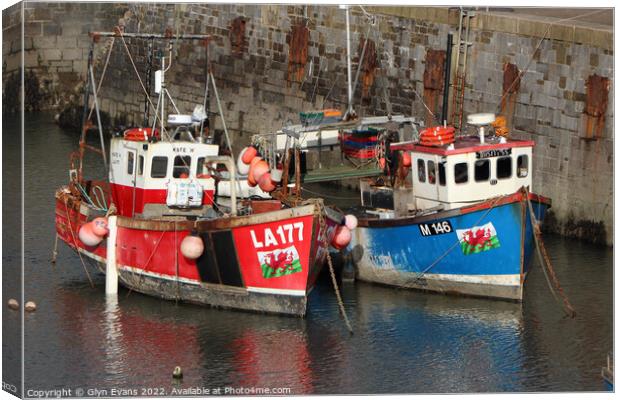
(265, 262)
(206, 294)
(482, 250)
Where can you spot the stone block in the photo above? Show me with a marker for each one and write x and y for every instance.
(67, 42)
(51, 54)
(72, 54)
(44, 42)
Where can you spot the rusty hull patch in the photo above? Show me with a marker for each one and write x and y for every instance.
(510, 89)
(236, 34)
(434, 65)
(369, 64)
(298, 51)
(597, 99)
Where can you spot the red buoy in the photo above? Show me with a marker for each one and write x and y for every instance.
(87, 236)
(266, 184)
(100, 226)
(342, 237)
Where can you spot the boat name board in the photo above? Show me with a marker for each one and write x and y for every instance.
(435, 228)
(493, 153)
(182, 149)
(286, 233)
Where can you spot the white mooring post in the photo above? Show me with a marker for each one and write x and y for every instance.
(111, 273)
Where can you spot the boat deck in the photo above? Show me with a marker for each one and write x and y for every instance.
(341, 172)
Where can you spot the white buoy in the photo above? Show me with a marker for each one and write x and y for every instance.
(13, 304)
(350, 221)
(276, 175)
(30, 306)
(192, 247)
(111, 273)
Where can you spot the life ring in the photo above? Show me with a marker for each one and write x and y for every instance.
(140, 134)
(437, 136)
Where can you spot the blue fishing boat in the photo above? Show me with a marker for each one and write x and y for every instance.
(463, 225)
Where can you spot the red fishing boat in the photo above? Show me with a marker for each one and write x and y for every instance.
(158, 225)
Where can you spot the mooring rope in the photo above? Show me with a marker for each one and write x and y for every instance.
(77, 247)
(545, 262)
(320, 210)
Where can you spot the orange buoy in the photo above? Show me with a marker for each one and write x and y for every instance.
(248, 154)
(266, 184)
(260, 169)
(251, 180)
(242, 167)
(192, 247)
(342, 237)
(406, 159)
(100, 226)
(87, 236)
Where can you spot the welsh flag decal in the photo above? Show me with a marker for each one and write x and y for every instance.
(478, 239)
(279, 262)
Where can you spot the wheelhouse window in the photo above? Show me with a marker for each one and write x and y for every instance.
(442, 173)
(140, 165)
(159, 167)
(181, 166)
(130, 162)
(522, 166)
(504, 167)
(202, 171)
(421, 171)
(431, 172)
(460, 173)
(482, 170)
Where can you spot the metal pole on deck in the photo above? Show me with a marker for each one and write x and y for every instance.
(111, 273)
(92, 78)
(446, 79)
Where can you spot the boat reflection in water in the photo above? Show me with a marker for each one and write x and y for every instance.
(136, 342)
(431, 343)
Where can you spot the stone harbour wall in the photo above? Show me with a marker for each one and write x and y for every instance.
(272, 61)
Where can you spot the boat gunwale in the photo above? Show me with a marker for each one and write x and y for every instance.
(483, 205)
(443, 151)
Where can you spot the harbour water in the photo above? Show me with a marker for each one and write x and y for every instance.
(404, 341)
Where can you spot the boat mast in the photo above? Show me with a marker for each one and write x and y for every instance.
(350, 111)
(162, 92)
